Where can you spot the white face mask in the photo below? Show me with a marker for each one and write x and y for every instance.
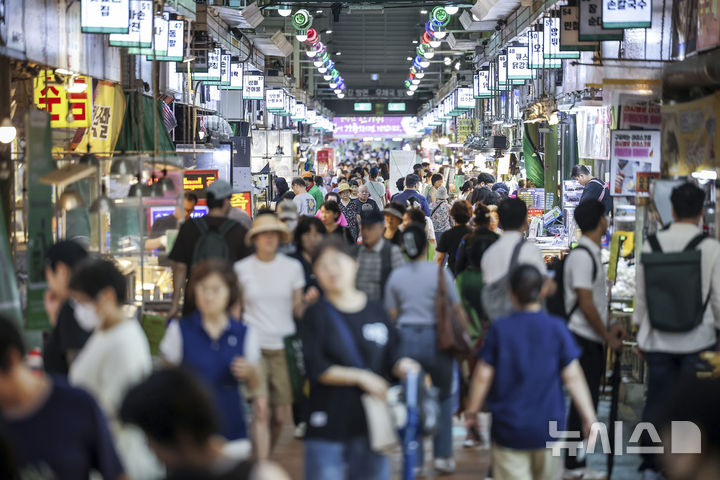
(291, 224)
(86, 316)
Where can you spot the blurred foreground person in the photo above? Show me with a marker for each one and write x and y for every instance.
(176, 414)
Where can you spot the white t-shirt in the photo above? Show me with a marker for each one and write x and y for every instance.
(171, 345)
(496, 259)
(305, 204)
(267, 291)
(579, 275)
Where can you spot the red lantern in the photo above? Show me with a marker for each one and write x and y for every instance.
(312, 36)
(426, 38)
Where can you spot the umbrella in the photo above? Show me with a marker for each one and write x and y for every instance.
(613, 412)
(410, 437)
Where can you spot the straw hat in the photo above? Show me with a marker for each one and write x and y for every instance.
(342, 187)
(267, 223)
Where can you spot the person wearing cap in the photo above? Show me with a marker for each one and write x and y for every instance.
(305, 203)
(376, 187)
(157, 238)
(440, 213)
(287, 214)
(313, 189)
(273, 296)
(218, 202)
(394, 214)
(410, 194)
(377, 257)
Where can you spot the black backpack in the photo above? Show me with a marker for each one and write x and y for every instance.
(556, 303)
(212, 243)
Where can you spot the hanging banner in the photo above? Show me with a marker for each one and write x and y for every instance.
(105, 16)
(632, 152)
(224, 72)
(537, 57)
(236, 76)
(502, 70)
(590, 27)
(481, 84)
(570, 28)
(253, 86)
(66, 109)
(140, 32)
(626, 13)
(175, 43)
(518, 63)
(299, 112)
(160, 41)
(639, 112)
(213, 68)
(380, 127)
(551, 39)
(466, 99)
(108, 111)
(310, 117)
(708, 30)
(274, 99)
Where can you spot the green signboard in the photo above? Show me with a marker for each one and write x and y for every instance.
(363, 107)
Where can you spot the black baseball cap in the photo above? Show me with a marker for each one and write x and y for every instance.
(372, 217)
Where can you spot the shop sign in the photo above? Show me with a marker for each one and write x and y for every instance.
(108, 110)
(551, 39)
(242, 201)
(59, 103)
(481, 84)
(708, 31)
(502, 70)
(631, 152)
(236, 76)
(298, 114)
(253, 86)
(160, 41)
(518, 63)
(639, 113)
(537, 58)
(213, 67)
(274, 99)
(590, 24)
(310, 117)
(380, 127)
(224, 72)
(197, 181)
(140, 32)
(570, 28)
(288, 105)
(105, 16)
(175, 43)
(626, 13)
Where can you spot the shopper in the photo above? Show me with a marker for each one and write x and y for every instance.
(410, 301)
(672, 355)
(330, 215)
(473, 245)
(115, 358)
(354, 187)
(393, 213)
(282, 191)
(507, 253)
(594, 188)
(376, 187)
(306, 204)
(54, 430)
(272, 295)
(336, 444)
(157, 238)
(440, 213)
(436, 182)
(67, 336)
(524, 354)
(363, 203)
(219, 349)
(347, 209)
(335, 197)
(177, 414)
(485, 180)
(417, 217)
(308, 236)
(198, 240)
(410, 195)
(400, 186)
(449, 241)
(376, 257)
(312, 189)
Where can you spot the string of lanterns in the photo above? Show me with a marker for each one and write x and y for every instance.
(431, 39)
(302, 22)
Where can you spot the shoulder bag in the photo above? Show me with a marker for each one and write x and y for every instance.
(452, 333)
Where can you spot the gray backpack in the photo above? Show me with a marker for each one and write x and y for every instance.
(495, 296)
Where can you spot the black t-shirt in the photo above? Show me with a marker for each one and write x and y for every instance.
(336, 413)
(344, 234)
(162, 225)
(472, 248)
(310, 278)
(189, 234)
(64, 439)
(449, 242)
(65, 337)
(595, 190)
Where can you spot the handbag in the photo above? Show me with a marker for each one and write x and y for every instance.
(452, 334)
(296, 366)
(378, 415)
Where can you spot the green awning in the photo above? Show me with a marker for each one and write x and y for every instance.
(137, 134)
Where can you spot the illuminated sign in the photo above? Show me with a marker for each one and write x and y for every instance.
(105, 16)
(363, 107)
(198, 180)
(242, 201)
(396, 107)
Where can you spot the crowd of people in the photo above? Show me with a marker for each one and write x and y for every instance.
(311, 314)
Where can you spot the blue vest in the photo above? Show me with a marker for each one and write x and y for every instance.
(210, 360)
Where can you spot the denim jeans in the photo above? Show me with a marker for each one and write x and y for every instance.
(351, 460)
(420, 344)
(664, 370)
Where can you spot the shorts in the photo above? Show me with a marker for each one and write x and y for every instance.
(511, 464)
(275, 379)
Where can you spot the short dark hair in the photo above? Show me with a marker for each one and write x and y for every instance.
(400, 184)
(435, 178)
(521, 183)
(461, 212)
(578, 170)
(10, 339)
(485, 177)
(414, 241)
(332, 206)
(95, 275)
(417, 215)
(213, 203)
(400, 207)
(512, 213)
(298, 181)
(354, 183)
(374, 171)
(417, 166)
(191, 197)
(335, 196)
(67, 252)
(318, 181)
(482, 215)
(411, 180)
(485, 195)
(202, 270)
(304, 226)
(526, 283)
(687, 200)
(170, 404)
(588, 214)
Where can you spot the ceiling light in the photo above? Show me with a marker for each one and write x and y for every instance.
(7, 131)
(423, 12)
(429, 53)
(74, 86)
(457, 66)
(420, 75)
(425, 63)
(341, 95)
(311, 53)
(327, 77)
(318, 62)
(415, 42)
(284, 10)
(318, 11)
(332, 84)
(322, 69)
(415, 81)
(328, 32)
(413, 88)
(410, 93)
(301, 37)
(375, 77)
(447, 61)
(435, 43)
(451, 9)
(440, 34)
(338, 53)
(63, 71)
(337, 91)
(475, 18)
(409, 59)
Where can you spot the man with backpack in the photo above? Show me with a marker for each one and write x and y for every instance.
(411, 194)
(506, 254)
(582, 294)
(211, 236)
(594, 188)
(376, 257)
(677, 303)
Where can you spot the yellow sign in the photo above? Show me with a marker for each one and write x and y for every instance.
(108, 111)
(54, 98)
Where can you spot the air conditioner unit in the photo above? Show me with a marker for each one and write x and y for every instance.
(252, 15)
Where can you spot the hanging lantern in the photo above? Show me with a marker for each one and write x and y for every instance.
(408, 83)
(312, 36)
(320, 48)
(417, 63)
(427, 39)
(440, 16)
(320, 59)
(302, 20)
(414, 70)
(334, 73)
(420, 50)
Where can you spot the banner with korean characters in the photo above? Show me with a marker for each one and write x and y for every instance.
(108, 111)
(590, 23)
(518, 63)
(502, 64)
(175, 43)
(570, 29)
(213, 74)
(104, 16)
(66, 109)
(551, 39)
(140, 33)
(253, 86)
(536, 46)
(626, 13)
(631, 152)
(236, 76)
(482, 85)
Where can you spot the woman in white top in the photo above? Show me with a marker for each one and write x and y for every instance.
(114, 359)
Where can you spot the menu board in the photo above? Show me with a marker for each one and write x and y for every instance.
(631, 152)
